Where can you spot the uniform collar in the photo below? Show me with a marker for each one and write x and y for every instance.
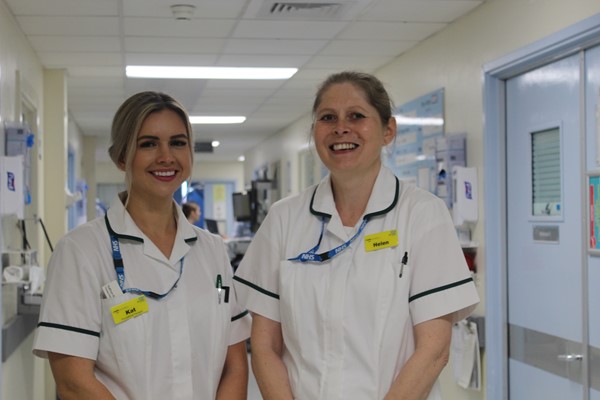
(120, 223)
(382, 199)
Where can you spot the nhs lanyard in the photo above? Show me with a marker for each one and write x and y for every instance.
(118, 262)
(312, 256)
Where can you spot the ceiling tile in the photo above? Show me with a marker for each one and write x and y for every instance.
(70, 26)
(288, 29)
(64, 7)
(173, 45)
(420, 10)
(183, 59)
(63, 60)
(75, 43)
(387, 48)
(273, 46)
(166, 27)
(358, 62)
(364, 30)
(205, 9)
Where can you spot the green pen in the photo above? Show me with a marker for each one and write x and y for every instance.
(219, 285)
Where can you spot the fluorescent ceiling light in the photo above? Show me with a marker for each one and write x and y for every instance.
(165, 72)
(215, 143)
(429, 121)
(199, 119)
(241, 158)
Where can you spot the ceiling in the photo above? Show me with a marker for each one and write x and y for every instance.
(94, 40)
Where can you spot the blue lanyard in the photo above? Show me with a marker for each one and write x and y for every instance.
(118, 262)
(312, 256)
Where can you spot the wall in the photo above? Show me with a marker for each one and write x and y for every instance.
(453, 59)
(21, 75)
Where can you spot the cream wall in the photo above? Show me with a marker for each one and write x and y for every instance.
(453, 59)
(21, 78)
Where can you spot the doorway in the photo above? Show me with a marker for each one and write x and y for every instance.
(542, 337)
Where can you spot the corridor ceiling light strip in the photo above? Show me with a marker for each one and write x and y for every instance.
(198, 119)
(164, 72)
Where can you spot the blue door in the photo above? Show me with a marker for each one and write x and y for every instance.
(546, 299)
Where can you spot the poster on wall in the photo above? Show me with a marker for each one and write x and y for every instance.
(594, 212)
(419, 123)
(219, 202)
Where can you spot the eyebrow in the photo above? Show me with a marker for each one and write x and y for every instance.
(177, 136)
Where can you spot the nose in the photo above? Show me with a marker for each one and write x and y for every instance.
(340, 128)
(164, 154)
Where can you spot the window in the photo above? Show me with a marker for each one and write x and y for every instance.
(546, 173)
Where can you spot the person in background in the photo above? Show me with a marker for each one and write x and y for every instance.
(191, 210)
(140, 304)
(355, 283)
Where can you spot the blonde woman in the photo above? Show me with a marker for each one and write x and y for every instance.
(139, 304)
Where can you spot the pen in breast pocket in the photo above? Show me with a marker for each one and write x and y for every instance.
(219, 286)
(403, 264)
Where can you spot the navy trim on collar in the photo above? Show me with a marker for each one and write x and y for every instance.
(394, 202)
(112, 232)
(368, 216)
(315, 212)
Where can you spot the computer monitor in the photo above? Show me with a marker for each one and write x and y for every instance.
(242, 210)
(211, 225)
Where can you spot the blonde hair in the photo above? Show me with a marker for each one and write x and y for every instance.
(128, 121)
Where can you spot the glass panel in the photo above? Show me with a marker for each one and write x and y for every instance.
(545, 173)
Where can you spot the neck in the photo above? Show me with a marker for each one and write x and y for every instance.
(351, 195)
(156, 220)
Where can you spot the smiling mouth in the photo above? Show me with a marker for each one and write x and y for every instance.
(343, 146)
(164, 173)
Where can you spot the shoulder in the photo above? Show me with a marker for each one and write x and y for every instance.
(88, 234)
(293, 203)
(414, 196)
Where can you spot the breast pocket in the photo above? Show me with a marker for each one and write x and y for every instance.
(125, 346)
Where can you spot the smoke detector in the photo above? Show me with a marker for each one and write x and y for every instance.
(183, 12)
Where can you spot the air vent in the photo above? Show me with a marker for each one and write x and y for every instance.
(203, 147)
(300, 10)
(306, 9)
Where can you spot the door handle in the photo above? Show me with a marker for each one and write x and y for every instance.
(570, 357)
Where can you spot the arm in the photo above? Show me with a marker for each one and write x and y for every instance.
(267, 345)
(432, 350)
(75, 378)
(234, 379)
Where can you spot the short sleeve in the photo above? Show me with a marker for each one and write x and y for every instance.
(441, 281)
(257, 277)
(70, 317)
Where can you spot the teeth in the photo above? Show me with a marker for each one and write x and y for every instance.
(343, 146)
(164, 173)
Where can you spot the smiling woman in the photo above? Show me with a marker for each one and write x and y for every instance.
(349, 261)
(132, 300)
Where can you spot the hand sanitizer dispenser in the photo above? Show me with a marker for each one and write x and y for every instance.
(464, 208)
(11, 186)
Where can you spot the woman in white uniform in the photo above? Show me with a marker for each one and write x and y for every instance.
(354, 284)
(139, 304)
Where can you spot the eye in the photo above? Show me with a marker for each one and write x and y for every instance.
(179, 142)
(327, 117)
(146, 144)
(357, 115)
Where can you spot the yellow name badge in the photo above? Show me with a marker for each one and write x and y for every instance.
(131, 308)
(381, 240)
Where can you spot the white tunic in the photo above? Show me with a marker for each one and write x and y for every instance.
(174, 351)
(348, 322)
